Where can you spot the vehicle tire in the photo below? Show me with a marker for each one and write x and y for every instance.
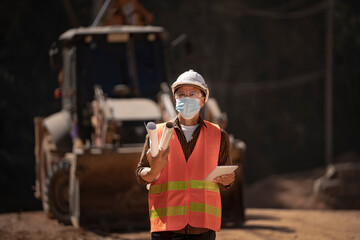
(58, 191)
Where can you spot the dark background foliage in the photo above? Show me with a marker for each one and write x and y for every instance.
(267, 73)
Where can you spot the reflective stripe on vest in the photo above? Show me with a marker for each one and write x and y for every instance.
(206, 208)
(182, 210)
(176, 185)
(183, 185)
(168, 211)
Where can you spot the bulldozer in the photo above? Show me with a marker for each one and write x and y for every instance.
(112, 80)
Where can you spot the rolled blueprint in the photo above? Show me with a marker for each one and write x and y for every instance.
(166, 136)
(154, 142)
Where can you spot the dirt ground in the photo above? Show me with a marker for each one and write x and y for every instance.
(280, 224)
(279, 207)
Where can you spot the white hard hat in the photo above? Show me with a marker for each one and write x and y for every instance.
(191, 78)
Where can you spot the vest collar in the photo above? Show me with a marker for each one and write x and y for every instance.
(176, 122)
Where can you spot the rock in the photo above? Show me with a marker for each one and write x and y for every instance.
(348, 170)
(340, 186)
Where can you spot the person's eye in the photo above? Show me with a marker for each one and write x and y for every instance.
(193, 94)
(181, 95)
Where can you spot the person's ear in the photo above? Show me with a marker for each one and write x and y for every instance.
(202, 101)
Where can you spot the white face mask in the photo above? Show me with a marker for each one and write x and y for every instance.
(188, 107)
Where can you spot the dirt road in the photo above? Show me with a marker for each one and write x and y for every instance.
(262, 224)
(266, 220)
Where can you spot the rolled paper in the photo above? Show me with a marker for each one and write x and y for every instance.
(154, 142)
(166, 136)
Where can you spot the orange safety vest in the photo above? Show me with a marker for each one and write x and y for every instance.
(180, 196)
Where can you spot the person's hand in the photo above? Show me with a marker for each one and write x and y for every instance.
(226, 179)
(158, 163)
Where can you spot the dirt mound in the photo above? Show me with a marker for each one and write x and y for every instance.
(290, 190)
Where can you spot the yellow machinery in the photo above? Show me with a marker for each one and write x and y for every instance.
(112, 79)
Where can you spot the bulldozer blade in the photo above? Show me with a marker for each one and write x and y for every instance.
(110, 196)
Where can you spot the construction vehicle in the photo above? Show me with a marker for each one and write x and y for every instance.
(112, 80)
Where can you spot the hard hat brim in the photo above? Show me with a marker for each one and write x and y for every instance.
(176, 85)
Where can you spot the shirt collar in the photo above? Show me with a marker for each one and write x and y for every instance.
(177, 122)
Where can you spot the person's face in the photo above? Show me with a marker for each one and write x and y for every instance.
(191, 92)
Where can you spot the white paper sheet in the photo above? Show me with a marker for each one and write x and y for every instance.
(219, 171)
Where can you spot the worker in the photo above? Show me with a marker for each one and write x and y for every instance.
(129, 12)
(180, 202)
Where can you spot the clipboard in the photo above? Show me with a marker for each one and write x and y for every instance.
(220, 170)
